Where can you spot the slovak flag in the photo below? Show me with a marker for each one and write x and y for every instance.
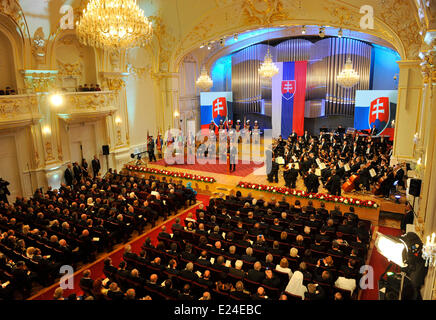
(288, 89)
(288, 98)
(219, 111)
(214, 107)
(376, 108)
(379, 113)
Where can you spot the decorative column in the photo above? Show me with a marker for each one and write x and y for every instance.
(169, 86)
(117, 123)
(426, 149)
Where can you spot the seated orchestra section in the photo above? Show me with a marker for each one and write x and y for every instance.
(234, 150)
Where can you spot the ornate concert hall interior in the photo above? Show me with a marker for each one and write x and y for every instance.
(217, 149)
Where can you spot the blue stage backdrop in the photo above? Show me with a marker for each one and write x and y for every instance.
(215, 106)
(376, 107)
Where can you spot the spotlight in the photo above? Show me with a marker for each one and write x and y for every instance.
(392, 248)
(56, 100)
(303, 30)
(209, 46)
(397, 198)
(235, 37)
(340, 33)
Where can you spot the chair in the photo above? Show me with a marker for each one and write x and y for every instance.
(220, 295)
(346, 294)
(251, 285)
(293, 296)
(198, 288)
(272, 292)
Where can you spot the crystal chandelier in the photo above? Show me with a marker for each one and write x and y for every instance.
(204, 82)
(348, 77)
(113, 24)
(268, 69)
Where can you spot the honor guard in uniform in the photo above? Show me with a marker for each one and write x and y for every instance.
(256, 130)
(238, 125)
(247, 126)
(212, 126)
(221, 126)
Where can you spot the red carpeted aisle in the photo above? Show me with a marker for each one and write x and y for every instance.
(379, 264)
(242, 170)
(117, 255)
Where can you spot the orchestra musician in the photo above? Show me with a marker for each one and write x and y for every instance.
(343, 155)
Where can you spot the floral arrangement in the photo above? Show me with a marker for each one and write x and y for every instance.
(181, 175)
(305, 195)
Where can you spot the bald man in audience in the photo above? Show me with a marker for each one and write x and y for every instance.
(256, 274)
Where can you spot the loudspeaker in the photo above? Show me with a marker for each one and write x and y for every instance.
(415, 187)
(105, 150)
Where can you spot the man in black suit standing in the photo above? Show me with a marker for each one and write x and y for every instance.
(69, 175)
(312, 182)
(292, 176)
(96, 166)
(333, 185)
(4, 191)
(408, 217)
(150, 149)
(373, 131)
(273, 176)
(77, 171)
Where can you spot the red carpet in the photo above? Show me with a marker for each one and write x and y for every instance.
(117, 256)
(379, 263)
(242, 170)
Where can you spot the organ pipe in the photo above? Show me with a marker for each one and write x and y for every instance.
(326, 59)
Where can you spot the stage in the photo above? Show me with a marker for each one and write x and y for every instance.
(225, 183)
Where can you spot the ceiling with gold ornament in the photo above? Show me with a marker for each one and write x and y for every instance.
(186, 25)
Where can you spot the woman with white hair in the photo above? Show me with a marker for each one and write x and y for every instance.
(90, 202)
(295, 285)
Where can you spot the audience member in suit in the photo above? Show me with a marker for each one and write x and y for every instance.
(188, 272)
(237, 270)
(203, 259)
(164, 233)
(188, 254)
(260, 294)
(168, 289)
(86, 281)
(205, 279)
(314, 292)
(176, 225)
(271, 280)
(256, 274)
(240, 292)
(185, 294)
(114, 292)
(248, 256)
